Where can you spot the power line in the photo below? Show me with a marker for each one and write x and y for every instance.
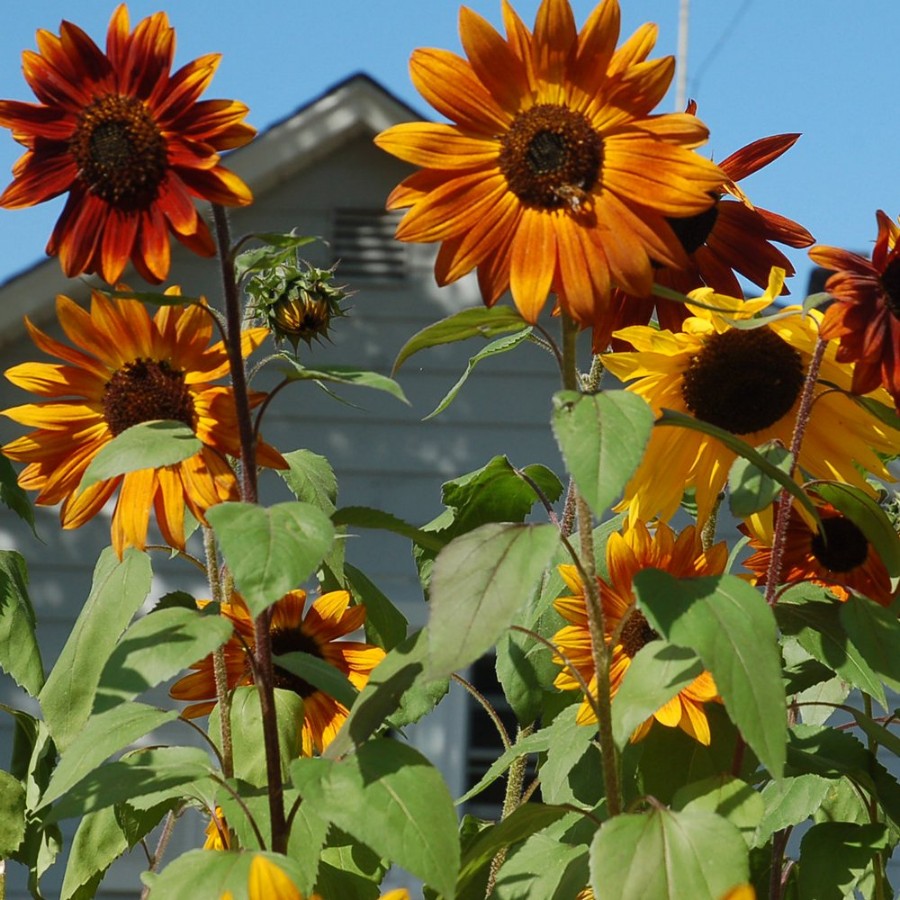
(719, 44)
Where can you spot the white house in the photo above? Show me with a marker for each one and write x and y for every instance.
(319, 172)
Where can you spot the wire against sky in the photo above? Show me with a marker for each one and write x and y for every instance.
(716, 47)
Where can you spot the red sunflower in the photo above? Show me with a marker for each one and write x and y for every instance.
(842, 561)
(865, 316)
(128, 141)
(732, 236)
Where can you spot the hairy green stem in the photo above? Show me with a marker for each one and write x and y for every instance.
(600, 650)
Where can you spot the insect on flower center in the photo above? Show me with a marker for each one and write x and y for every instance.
(890, 281)
(120, 151)
(551, 157)
(844, 546)
(743, 381)
(144, 390)
(293, 640)
(693, 231)
(636, 633)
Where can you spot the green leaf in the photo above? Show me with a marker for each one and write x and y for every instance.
(386, 626)
(497, 492)
(868, 516)
(526, 820)
(726, 796)
(12, 814)
(12, 496)
(157, 648)
(658, 672)
(664, 854)
(677, 419)
(749, 488)
(149, 445)
(788, 802)
(145, 779)
(101, 736)
(202, 875)
(807, 614)
(524, 667)
(364, 517)
(396, 683)
(486, 322)
(834, 856)
(602, 438)
(320, 674)
(311, 479)
(98, 842)
(247, 728)
(569, 771)
(118, 591)
(875, 633)
(348, 869)
(538, 742)
(305, 842)
(501, 345)
(389, 797)
(296, 371)
(479, 580)
(270, 551)
(731, 628)
(20, 654)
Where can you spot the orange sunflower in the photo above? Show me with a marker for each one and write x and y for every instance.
(554, 176)
(124, 369)
(627, 553)
(732, 236)
(865, 316)
(839, 558)
(128, 140)
(318, 633)
(747, 381)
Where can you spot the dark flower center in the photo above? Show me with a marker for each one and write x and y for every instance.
(890, 281)
(293, 640)
(144, 390)
(636, 633)
(551, 157)
(743, 381)
(844, 546)
(120, 151)
(693, 231)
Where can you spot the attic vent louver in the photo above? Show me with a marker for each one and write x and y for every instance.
(364, 243)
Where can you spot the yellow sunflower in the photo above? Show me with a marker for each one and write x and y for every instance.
(128, 140)
(218, 834)
(126, 368)
(318, 633)
(554, 175)
(627, 553)
(842, 561)
(267, 881)
(748, 382)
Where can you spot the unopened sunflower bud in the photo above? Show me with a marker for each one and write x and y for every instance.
(298, 304)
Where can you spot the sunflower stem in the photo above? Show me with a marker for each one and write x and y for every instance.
(223, 694)
(264, 675)
(878, 860)
(596, 620)
(515, 781)
(779, 539)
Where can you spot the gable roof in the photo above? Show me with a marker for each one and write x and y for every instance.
(358, 105)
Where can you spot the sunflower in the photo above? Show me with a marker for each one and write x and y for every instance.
(218, 834)
(124, 369)
(748, 382)
(732, 236)
(268, 881)
(865, 316)
(128, 141)
(553, 176)
(627, 553)
(839, 557)
(318, 632)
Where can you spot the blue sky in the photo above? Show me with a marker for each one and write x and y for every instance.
(756, 67)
